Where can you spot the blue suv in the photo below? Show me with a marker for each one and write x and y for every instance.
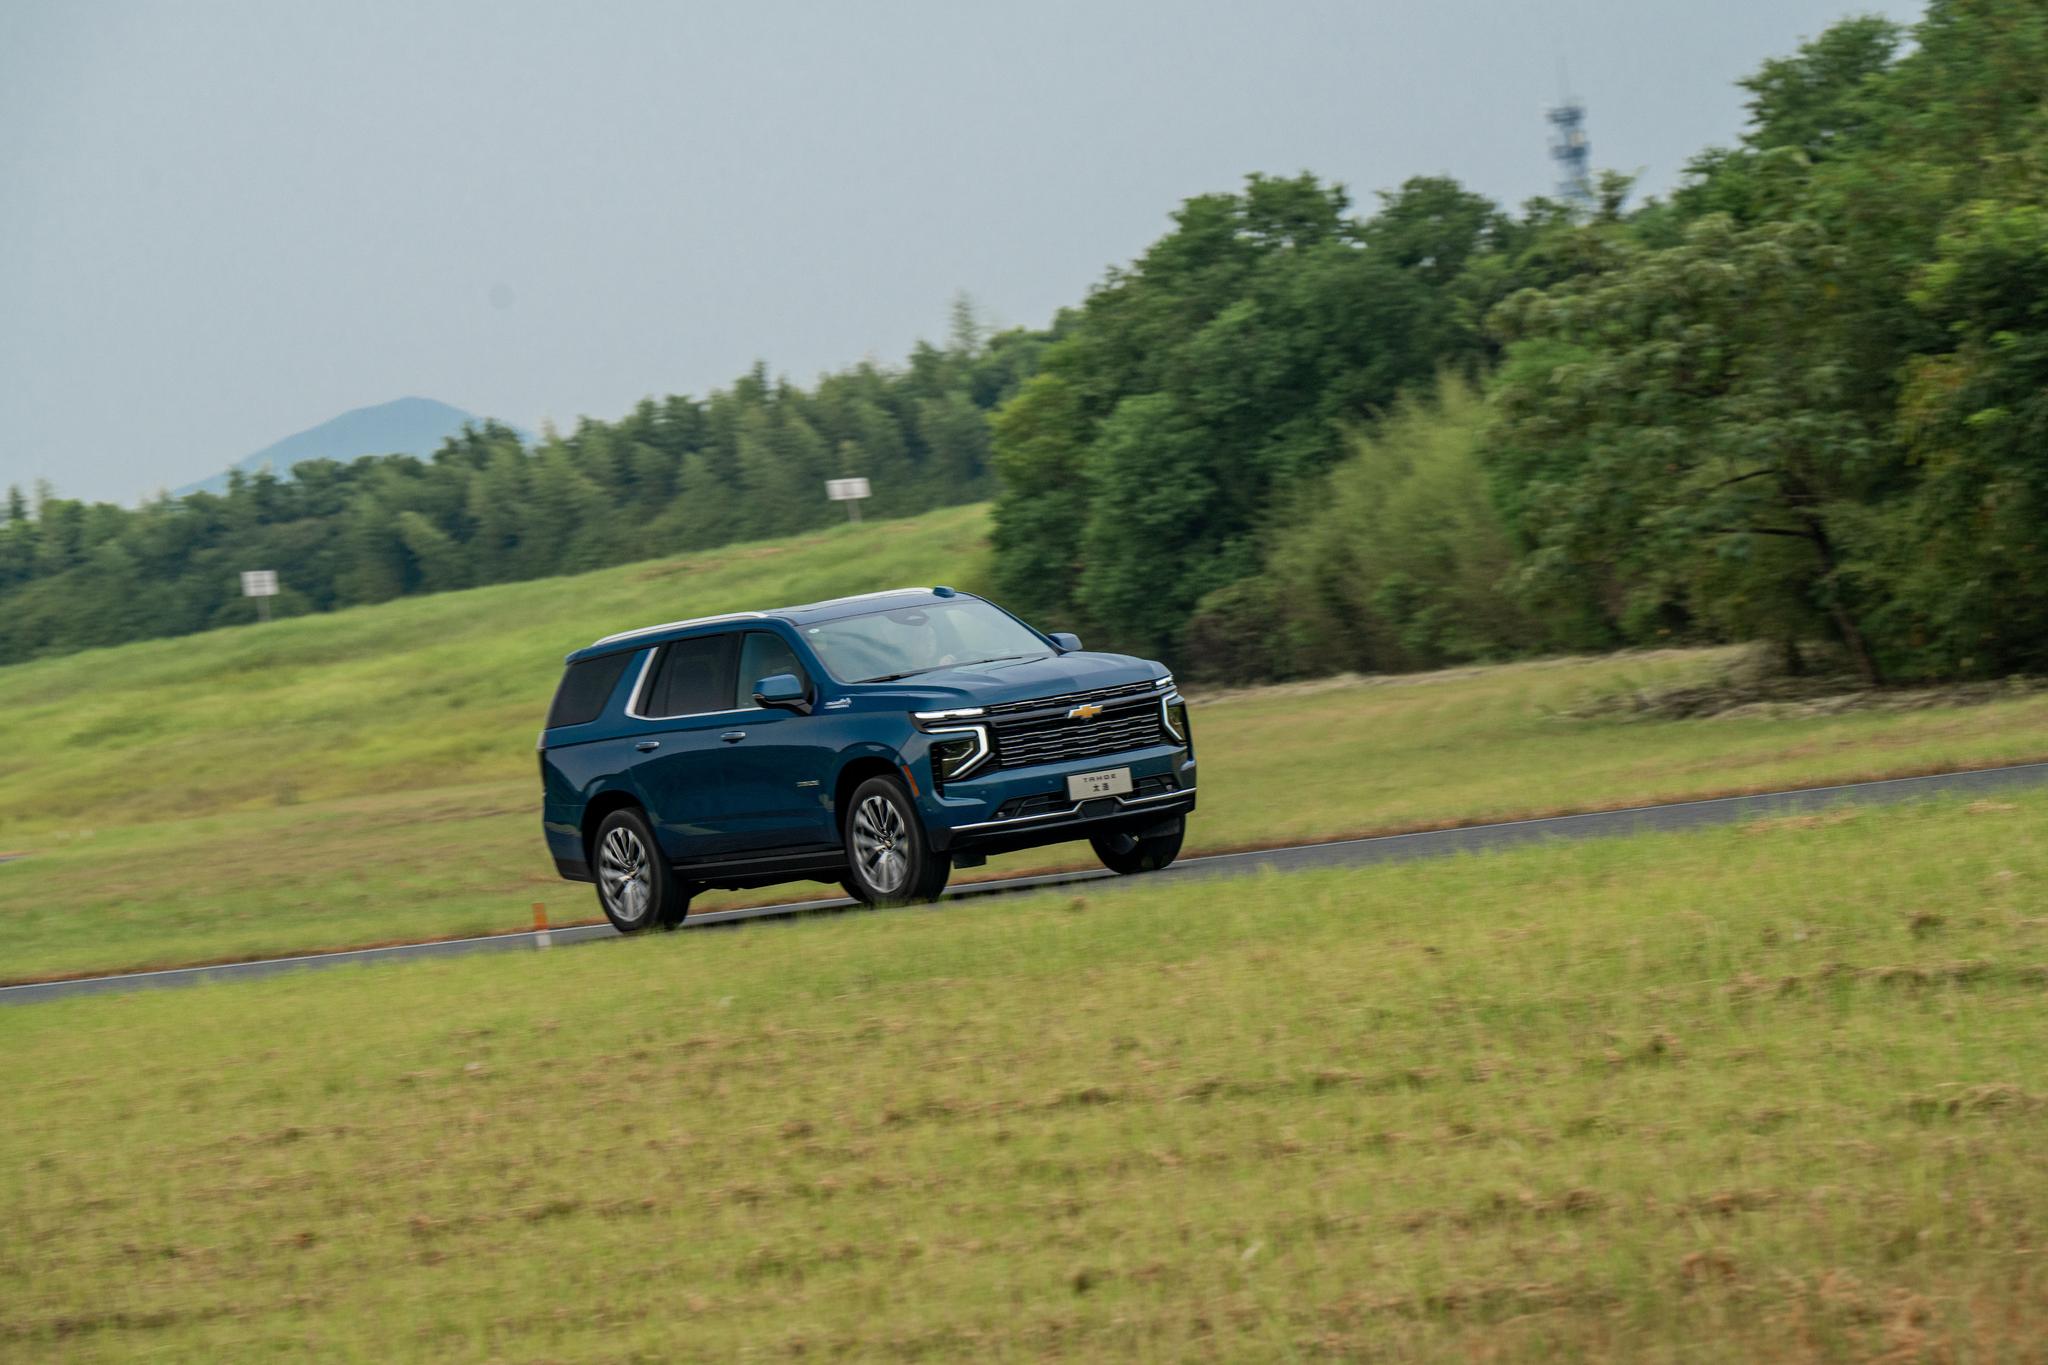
(877, 742)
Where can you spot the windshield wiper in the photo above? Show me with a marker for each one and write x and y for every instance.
(999, 659)
(930, 668)
(892, 677)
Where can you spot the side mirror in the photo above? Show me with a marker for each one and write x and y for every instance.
(1068, 643)
(785, 691)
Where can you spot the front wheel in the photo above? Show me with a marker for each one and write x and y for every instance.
(889, 860)
(1128, 853)
(634, 884)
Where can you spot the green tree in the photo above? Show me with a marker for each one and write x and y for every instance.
(1969, 549)
(376, 557)
(1398, 558)
(440, 563)
(1252, 332)
(1704, 437)
(773, 488)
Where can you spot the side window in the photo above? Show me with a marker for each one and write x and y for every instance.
(763, 656)
(586, 687)
(693, 676)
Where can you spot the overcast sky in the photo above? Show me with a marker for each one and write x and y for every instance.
(223, 222)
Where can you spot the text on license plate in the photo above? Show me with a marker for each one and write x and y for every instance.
(1108, 782)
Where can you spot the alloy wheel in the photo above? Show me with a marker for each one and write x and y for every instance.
(626, 876)
(880, 839)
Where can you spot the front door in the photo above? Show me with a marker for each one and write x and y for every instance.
(781, 770)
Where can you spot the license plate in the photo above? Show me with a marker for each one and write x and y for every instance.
(1108, 782)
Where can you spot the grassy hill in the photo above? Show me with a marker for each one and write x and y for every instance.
(369, 775)
(425, 691)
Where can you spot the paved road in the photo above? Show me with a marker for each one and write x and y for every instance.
(1683, 815)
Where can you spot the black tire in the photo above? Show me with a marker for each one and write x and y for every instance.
(889, 859)
(1129, 853)
(635, 886)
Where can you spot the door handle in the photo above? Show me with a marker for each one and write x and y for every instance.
(648, 746)
(733, 736)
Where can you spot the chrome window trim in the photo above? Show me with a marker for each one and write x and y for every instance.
(640, 684)
(640, 690)
(983, 752)
(1075, 810)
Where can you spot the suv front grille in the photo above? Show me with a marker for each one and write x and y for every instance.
(1022, 743)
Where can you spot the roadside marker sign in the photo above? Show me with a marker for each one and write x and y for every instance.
(260, 584)
(850, 492)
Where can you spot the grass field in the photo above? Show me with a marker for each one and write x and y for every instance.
(369, 775)
(1767, 1093)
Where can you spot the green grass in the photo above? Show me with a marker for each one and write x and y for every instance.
(369, 775)
(1764, 1093)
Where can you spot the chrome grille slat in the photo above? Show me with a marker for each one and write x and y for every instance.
(1122, 692)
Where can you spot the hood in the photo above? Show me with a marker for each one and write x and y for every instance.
(1018, 680)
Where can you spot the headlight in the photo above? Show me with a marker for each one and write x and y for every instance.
(1175, 712)
(957, 751)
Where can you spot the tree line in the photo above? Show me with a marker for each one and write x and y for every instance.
(1803, 399)
(675, 474)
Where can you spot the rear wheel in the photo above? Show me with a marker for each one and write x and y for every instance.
(889, 859)
(635, 886)
(1128, 853)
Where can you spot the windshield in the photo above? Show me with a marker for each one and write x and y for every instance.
(894, 644)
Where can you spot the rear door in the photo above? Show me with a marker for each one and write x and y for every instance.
(683, 744)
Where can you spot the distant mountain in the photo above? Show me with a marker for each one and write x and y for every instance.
(407, 426)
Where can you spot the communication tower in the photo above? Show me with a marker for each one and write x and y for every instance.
(1572, 153)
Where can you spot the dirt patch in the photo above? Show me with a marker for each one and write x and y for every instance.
(1337, 682)
(1755, 688)
(1818, 820)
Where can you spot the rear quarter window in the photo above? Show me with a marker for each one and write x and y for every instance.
(586, 687)
(693, 678)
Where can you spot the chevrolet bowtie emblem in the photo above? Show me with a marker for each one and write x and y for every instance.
(1084, 712)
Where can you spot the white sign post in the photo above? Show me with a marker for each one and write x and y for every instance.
(260, 584)
(850, 492)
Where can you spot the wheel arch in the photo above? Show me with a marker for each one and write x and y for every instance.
(856, 771)
(595, 811)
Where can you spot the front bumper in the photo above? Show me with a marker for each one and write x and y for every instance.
(975, 815)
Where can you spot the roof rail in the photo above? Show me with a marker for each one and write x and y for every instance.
(679, 625)
(764, 615)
